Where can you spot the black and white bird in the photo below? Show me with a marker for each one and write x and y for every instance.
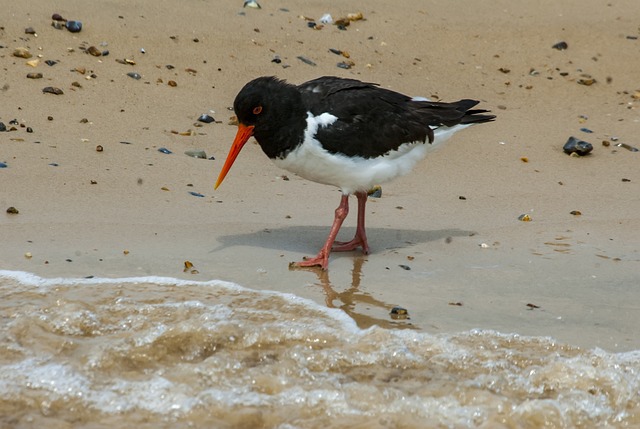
(345, 133)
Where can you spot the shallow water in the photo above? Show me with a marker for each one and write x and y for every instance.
(159, 352)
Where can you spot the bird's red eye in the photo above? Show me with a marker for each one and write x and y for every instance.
(257, 110)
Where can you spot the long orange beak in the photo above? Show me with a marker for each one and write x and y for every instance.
(242, 136)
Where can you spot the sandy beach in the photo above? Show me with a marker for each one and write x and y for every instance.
(446, 240)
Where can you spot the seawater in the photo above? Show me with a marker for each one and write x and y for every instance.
(160, 352)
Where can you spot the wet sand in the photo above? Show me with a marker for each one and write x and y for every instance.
(472, 263)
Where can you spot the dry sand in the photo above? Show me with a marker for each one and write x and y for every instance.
(581, 272)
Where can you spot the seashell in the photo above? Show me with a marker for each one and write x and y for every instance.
(306, 60)
(50, 63)
(52, 90)
(22, 53)
(33, 63)
(3, 165)
(12, 210)
(34, 75)
(524, 218)
(172, 83)
(207, 119)
(134, 75)
(164, 150)
(577, 146)
(74, 26)
(196, 194)
(575, 212)
(99, 148)
(627, 147)
(252, 4)
(57, 17)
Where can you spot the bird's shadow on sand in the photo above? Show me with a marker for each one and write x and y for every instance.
(309, 239)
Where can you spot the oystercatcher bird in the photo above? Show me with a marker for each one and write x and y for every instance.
(345, 133)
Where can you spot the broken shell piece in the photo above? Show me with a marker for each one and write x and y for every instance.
(586, 81)
(524, 218)
(252, 4)
(22, 53)
(577, 146)
(196, 154)
(628, 147)
(575, 212)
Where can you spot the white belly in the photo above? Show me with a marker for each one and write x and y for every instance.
(311, 161)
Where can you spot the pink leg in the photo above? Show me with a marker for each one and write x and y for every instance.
(322, 258)
(360, 239)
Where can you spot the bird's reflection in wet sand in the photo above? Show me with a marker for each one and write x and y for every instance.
(358, 304)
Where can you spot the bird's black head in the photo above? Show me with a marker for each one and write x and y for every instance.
(274, 108)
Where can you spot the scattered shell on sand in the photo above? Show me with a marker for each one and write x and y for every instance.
(22, 53)
(524, 218)
(52, 90)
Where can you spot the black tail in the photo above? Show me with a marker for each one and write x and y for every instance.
(474, 116)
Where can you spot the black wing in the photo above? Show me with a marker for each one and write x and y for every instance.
(373, 121)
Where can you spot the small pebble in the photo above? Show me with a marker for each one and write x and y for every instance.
(346, 64)
(196, 194)
(3, 127)
(99, 148)
(52, 90)
(524, 218)
(576, 212)
(206, 118)
(172, 83)
(34, 75)
(22, 53)
(57, 17)
(134, 75)
(29, 129)
(12, 210)
(577, 146)
(405, 267)
(94, 51)
(586, 130)
(3, 165)
(276, 59)
(29, 30)
(375, 192)
(561, 46)
(28, 255)
(164, 150)
(399, 313)
(74, 26)
(50, 63)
